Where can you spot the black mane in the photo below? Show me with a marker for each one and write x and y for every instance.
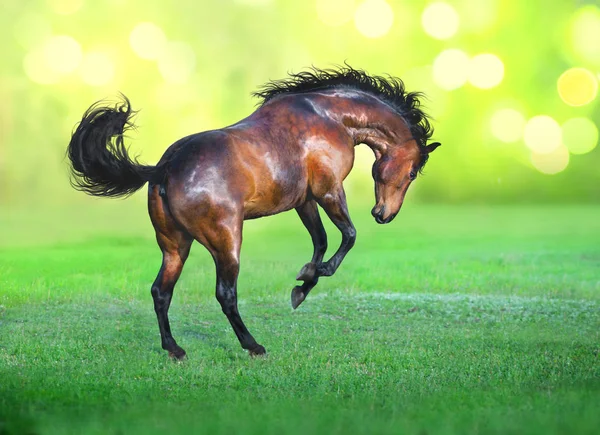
(388, 89)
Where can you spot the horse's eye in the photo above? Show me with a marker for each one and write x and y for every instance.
(412, 175)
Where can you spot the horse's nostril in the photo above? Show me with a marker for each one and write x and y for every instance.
(378, 212)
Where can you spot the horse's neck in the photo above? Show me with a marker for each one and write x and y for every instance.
(366, 119)
(373, 134)
(370, 124)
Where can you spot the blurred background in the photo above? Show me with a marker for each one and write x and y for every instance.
(512, 87)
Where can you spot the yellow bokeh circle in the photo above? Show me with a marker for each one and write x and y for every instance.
(507, 125)
(374, 18)
(451, 69)
(97, 69)
(584, 32)
(551, 163)
(440, 20)
(63, 54)
(577, 86)
(580, 135)
(542, 134)
(58, 56)
(147, 40)
(486, 71)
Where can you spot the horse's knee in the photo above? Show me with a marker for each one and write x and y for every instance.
(227, 298)
(350, 236)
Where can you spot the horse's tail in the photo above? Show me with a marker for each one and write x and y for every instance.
(100, 163)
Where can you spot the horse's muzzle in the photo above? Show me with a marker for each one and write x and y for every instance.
(378, 212)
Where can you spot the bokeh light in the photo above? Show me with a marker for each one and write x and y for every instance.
(147, 40)
(486, 71)
(577, 86)
(177, 63)
(58, 56)
(585, 34)
(507, 125)
(253, 41)
(37, 69)
(335, 12)
(65, 7)
(440, 20)
(551, 163)
(542, 134)
(63, 54)
(97, 69)
(374, 18)
(451, 69)
(580, 135)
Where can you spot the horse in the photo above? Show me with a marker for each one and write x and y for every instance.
(293, 152)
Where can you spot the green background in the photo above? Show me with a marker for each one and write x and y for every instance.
(239, 45)
(475, 311)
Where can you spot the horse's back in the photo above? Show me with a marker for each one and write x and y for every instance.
(267, 163)
(239, 171)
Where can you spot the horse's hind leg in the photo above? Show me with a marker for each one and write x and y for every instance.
(220, 231)
(175, 246)
(309, 214)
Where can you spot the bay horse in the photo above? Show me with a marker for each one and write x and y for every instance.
(293, 152)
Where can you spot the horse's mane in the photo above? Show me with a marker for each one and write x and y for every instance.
(388, 89)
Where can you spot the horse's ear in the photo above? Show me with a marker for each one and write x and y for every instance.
(432, 146)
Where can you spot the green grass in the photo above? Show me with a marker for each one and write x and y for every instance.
(451, 320)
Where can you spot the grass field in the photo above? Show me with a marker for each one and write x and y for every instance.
(450, 320)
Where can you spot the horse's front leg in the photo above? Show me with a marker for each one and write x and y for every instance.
(309, 214)
(336, 208)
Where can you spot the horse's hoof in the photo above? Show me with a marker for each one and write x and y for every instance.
(257, 351)
(177, 354)
(307, 273)
(298, 296)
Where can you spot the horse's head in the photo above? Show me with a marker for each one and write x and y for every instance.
(393, 171)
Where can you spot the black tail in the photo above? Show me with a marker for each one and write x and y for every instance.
(100, 164)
